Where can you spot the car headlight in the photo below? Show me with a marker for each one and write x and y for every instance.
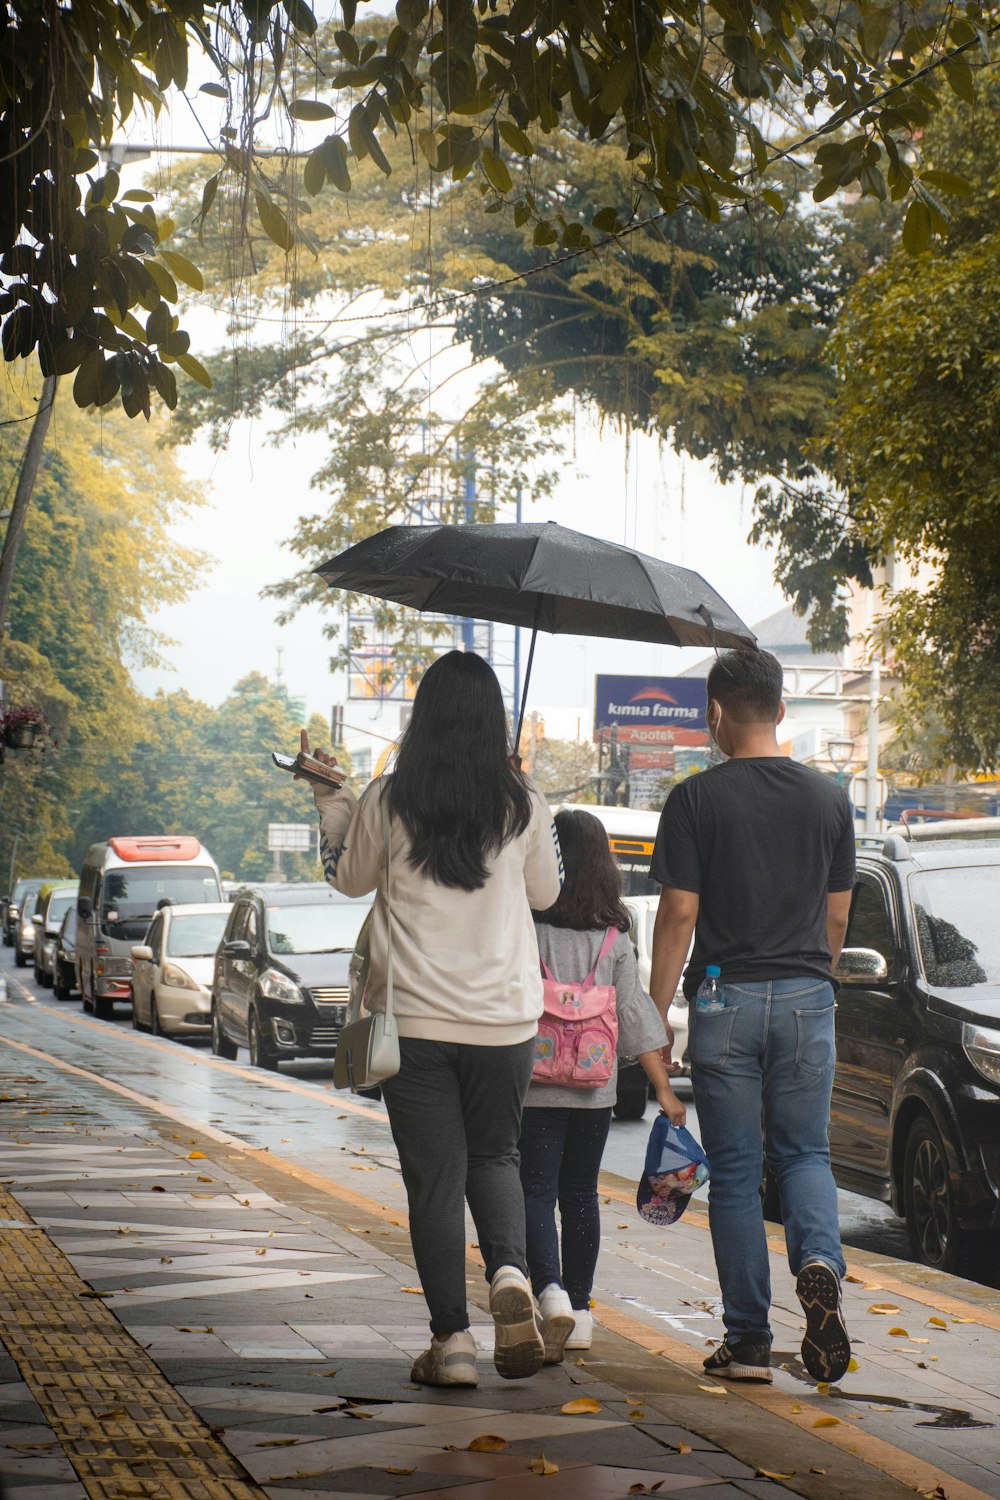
(981, 1045)
(177, 978)
(27, 928)
(115, 967)
(278, 986)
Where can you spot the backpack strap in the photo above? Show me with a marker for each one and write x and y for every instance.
(610, 938)
(546, 971)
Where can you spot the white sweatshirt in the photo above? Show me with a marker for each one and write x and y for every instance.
(465, 963)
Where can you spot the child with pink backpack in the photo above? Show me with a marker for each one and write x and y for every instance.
(595, 1012)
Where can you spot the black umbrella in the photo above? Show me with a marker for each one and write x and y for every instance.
(542, 576)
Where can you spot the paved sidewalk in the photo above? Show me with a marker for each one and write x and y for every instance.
(190, 1318)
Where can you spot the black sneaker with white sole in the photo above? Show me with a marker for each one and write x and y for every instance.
(746, 1359)
(826, 1348)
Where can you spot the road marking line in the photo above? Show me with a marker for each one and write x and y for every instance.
(879, 1454)
(369, 1112)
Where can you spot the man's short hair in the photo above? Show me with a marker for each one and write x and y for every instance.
(748, 686)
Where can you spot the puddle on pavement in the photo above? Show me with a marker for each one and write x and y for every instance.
(941, 1416)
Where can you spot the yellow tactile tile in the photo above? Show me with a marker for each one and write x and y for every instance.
(121, 1424)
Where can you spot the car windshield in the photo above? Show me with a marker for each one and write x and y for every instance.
(137, 893)
(326, 927)
(196, 935)
(59, 905)
(955, 912)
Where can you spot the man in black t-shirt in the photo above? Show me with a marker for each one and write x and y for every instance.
(756, 857)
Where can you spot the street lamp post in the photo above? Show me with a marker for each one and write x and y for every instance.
(841, 752)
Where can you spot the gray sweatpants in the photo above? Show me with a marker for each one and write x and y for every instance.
(455, 1114)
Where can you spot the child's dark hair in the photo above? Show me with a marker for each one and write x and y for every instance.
(591, 896)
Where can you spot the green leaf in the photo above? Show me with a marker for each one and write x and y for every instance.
(516, 138)
(606, 220)
(959, 75)
(917, 228)
(410, 13)
(948, 182)
(195, 368)
(86, 384)
(544, 235)
(310, 109)
(300, 16)
(274, 223)
(825, 188)
(773, 200)
(335, 157)
(496, 171)
(314, 171)
(216, 90)
(617, 83)
(184, 269)
(166, 383)
(138, 195)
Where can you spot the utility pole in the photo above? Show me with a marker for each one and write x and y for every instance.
(871, 783)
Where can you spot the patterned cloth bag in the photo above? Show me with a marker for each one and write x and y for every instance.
(578, 1032)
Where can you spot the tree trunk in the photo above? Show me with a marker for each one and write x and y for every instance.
(22, 495)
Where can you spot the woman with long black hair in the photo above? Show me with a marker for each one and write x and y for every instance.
(473, 849)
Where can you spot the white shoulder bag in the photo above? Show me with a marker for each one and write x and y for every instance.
(368, 1046)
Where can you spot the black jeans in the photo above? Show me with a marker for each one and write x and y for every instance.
(455, 1113)
(561, 1152)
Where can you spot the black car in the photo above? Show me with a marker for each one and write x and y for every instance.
(14, 910)
(915, 1119)
(281, 973)
(64, 976)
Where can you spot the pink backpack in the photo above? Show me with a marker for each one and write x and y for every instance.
(578, 1032)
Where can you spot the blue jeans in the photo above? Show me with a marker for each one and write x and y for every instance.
(769, 1056)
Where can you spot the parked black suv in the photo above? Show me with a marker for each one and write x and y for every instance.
(281, 973)
(916, 1098)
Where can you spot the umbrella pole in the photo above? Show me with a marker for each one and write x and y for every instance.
(524, 691)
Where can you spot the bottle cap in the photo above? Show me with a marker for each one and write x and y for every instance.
(712, 971)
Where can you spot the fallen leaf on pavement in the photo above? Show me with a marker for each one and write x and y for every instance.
(636, 1415)
(400, 1471)
(852, 1365)
(487, 1442)
(817, 1471)
(110, 1416)
(873, 1407)
(416, 1291)
(713, 1390)
(206, 1179)
(936, 1323)
(196, 1156)
(822, 1387)
(916, 1340)
(898, 1333)
(684, 1448)
(157, 1189)
(166, 1260)
(796, 1410)
(541, 1465)
(773, 1474)
(580, 1406)
(353, 1411)
(883, 1307)
(856, 1279)
(827, 1422)
(967, 1320)
(277, 1443)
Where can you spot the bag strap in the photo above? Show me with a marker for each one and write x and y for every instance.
(386, 823)
(610, 938)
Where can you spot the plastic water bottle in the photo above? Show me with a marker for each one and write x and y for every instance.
(709, 1000)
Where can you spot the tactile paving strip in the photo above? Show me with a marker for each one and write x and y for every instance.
(120, 1422)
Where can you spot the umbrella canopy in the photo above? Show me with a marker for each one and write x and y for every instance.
(541, 576)
(544, 577)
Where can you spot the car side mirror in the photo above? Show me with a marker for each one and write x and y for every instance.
(238, 948)
(84, 907)
(862, 966)
(142, 954)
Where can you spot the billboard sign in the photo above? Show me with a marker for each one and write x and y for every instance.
(656, 706)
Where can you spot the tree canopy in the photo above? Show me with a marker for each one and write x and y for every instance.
(705, 99)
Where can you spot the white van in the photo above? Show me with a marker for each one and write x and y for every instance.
(123, 883)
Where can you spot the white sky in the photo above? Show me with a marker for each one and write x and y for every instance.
(628, 492)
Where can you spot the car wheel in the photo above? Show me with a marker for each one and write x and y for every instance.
(221, 1045)
(59, 990)
(104, 1008)
(39, 975)
(20, 960)
(48, 980)
(929, 1200)
(261, 1056)
(155, 1024)
(631, 1107)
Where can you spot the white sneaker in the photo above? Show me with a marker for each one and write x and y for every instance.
(450, 1361)
(519, 1350)
(557, 1321)
(583, 1330)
